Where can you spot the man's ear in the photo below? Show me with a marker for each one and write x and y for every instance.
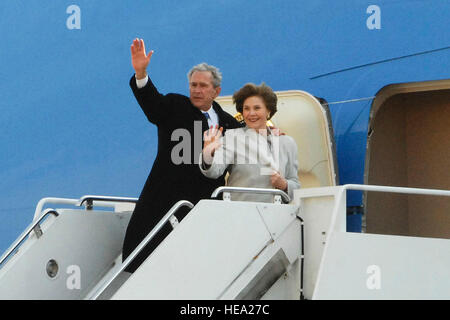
(218, 89)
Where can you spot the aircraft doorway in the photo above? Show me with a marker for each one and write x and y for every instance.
(409, 146)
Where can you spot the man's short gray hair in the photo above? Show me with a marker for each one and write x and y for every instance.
(216, 74)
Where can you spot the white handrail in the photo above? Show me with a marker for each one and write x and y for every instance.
(107, 200)
(45, 201)
(341, 196)
(407, 190)
(141, 246)
(89, 199)
(275, 192)
(375, 188)
(26, 232)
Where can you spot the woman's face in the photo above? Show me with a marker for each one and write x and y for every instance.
(255, 113)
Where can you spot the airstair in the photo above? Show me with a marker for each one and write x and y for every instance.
(290, 249)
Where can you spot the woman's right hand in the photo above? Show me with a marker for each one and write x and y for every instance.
(212, 142)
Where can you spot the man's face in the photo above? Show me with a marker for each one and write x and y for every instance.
(201, 89)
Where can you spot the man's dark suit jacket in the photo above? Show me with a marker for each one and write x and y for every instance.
(169, 182)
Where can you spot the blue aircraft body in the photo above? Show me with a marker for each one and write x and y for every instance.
(70, 125)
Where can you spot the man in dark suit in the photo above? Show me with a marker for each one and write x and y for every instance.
(175, 174)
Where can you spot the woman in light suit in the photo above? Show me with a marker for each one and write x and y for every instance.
(254, 155)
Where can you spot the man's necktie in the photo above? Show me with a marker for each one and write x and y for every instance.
(208, 118)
